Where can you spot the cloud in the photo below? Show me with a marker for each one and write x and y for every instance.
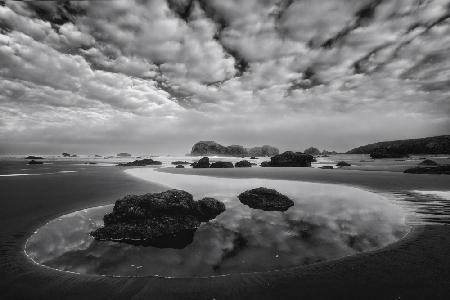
(234, 71)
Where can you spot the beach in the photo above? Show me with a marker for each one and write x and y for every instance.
(415, 267)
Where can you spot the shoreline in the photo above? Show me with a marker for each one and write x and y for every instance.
(414, 267)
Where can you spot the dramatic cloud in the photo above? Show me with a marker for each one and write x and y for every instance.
(158, 75)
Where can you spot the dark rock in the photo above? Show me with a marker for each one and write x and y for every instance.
(213, 148)
(243, 164)
(202, 163)
(265, 199)
(387, 152)
(443, 169)
(35, 162)
(123, 154)
(326, 167)
(222, 164)
(90, 163)
(33, 157)
(179, 167)
(180, 162)
(428, 162)
(289, 159)
(312, 151)
(65, 154)
(157, 219)
(74, 155)
(253, 157)
(343, 164)
(97, 156)
(141, 163)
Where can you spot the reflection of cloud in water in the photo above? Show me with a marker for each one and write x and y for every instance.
(326, 222)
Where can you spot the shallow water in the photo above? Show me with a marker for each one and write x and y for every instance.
(326, 222)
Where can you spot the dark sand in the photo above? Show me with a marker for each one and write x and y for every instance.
(417, 267)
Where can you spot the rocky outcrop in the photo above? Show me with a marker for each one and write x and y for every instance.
(444, 169)
(343, 164)
(180, 162)
(312, 151)
(167, 219)
(429, 145)
(201, 163)
(387, 152)
(65, 154)
(265, 199)
(179, 167)
(243, 164)
(428, 162)
(123, 154)
(33, 157)
(222, 164)
(213, 148)
(141, 163)
(35, 162)
(289, 159)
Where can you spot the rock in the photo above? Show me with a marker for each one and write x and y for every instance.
(443, 169)
(202, 163)
(326, 167)
(90, 163)
(243, 164)
(265, 199)
(428, 162)
(97, 156)
(33, 157)
(222, 164)
(289, 159)
(179, 167)
(263, 151)
(73, 155)
(180, 162)
(123, 154)
(343, 164)
(141, 163)
(387, 152)
(157, 219)
(65, 154)
(35, 162)
(213, 148)
(312, 151)
(253, 157)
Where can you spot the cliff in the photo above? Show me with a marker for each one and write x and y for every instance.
(429, 145)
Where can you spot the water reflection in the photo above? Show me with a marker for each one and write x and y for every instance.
(326, 222)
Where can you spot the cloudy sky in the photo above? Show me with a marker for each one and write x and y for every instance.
(156, 76)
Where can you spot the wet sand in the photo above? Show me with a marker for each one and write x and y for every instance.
(416, 267)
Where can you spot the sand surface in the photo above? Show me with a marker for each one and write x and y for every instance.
(417, 267)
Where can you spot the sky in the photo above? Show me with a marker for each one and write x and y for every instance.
(154, 77)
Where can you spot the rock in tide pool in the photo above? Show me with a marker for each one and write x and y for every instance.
(243, 164)
(167, 219)
(141, 163)
(265, 199)
(428, 162)
(201, 163)
(222, 164)
(444, 169)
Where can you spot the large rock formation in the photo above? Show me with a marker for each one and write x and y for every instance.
(167, 219)
(312, 151)
(201, 163)
(429, 145)
(243, 164)
(141, 163)
(289, 159)
(265, 199)
(213, 148)
(222, 164)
